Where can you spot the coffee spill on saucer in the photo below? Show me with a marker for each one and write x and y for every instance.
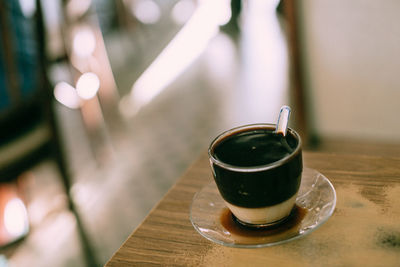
(229, 222)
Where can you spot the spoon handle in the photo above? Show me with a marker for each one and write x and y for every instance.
(283, 120)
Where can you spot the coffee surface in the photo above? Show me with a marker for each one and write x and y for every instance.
(254, 148)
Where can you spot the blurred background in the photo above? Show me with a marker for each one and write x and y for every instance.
(104, 104)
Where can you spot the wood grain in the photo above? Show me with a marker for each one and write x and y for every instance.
(365, 222)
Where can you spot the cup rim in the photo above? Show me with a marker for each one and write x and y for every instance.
(253, 168)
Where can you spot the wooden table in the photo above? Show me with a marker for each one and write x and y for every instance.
(364, 230)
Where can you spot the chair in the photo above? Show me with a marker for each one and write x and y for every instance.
(28, 123)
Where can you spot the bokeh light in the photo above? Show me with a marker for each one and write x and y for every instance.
(15, 218)
(84, 42)
(146, 11)
(182, 11)
(88, 85)
(66, 95)
(76, 8)
(28, 7)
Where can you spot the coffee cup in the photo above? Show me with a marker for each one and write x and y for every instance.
(257, 172)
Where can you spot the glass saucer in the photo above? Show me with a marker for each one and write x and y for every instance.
(315, 203)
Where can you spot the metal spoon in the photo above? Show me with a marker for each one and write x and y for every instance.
(283, 120)
(282, 125)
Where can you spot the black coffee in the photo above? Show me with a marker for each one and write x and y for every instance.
(263, 186)
(254, 148)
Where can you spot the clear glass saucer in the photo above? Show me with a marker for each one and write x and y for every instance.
(315, 203)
